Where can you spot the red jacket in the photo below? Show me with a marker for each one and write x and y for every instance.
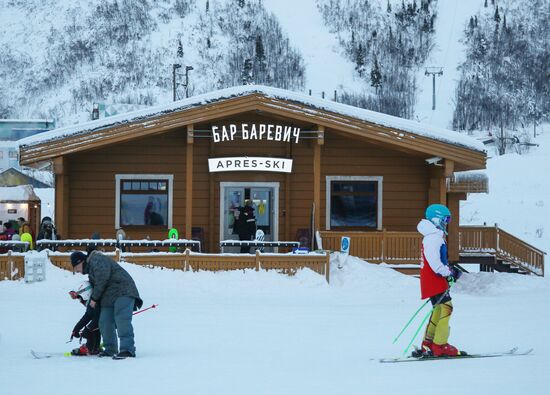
(434, 268)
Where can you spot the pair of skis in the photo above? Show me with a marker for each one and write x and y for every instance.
(514, 352)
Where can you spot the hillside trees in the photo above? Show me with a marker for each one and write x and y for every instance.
(390, 41)
(504, 79)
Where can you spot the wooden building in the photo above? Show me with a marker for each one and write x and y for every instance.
(298, 159)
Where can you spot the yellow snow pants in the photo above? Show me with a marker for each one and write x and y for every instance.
(438, 328)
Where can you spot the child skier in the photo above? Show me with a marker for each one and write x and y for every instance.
(435, 276)
(88, 324)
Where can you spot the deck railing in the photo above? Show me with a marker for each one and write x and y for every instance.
(378, 247)
(404, 247)
(505, 246)
(286, 263)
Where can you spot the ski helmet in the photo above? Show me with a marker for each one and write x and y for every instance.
(84, 290)
(439, 215)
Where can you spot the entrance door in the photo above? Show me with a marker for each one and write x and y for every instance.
(264, 198)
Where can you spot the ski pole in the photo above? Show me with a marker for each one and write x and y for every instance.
(412, 318)
(426, 317)
(141, 311)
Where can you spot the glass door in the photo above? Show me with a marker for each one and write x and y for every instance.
(256, 204)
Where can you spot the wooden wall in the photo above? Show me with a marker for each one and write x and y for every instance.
(91, 176)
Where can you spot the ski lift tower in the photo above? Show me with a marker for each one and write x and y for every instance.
(433, 71)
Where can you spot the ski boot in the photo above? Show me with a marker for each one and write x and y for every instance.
(425, 350)
(445, 350)
(80, 351)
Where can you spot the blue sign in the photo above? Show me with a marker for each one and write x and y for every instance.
(344, 245)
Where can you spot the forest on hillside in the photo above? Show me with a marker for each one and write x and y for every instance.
(504, 86)
(387, 44)
(122, 51)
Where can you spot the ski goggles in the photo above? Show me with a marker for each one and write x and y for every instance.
(446, 219)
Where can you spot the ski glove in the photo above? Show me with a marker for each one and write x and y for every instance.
(75, 334)
(455, 275)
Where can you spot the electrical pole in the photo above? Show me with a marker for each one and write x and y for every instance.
(433, 71)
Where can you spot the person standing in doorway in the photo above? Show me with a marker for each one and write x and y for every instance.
(118, 295)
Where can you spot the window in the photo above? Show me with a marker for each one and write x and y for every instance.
(12, 155)
(1, 154)
(354, 202)
(143, 200)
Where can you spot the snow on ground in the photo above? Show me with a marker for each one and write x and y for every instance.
(266, 333)
(452, 15)
(519, 195)
(327, 69)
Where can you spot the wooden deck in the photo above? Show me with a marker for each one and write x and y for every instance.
(491, 247)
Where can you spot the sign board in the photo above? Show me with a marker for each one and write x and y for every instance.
(344, 245)
(250, 163)
(12, 211)
(252, 131)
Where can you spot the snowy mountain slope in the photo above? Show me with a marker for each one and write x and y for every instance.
(266, 333)
(519, 195)
(326, 68)
(448, 52)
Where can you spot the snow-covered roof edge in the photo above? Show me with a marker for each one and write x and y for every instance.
(406, 125)
(19, 193)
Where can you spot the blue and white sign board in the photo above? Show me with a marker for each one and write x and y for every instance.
(344, 245)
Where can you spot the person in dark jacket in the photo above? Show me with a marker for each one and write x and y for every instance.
(245, 224)
(88, 326)
(117, 293)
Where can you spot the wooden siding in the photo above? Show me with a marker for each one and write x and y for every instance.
(405, 178)
(90, 203)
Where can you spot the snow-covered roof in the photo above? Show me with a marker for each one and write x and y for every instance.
(21, 193)
(471, 181)
(390, 121)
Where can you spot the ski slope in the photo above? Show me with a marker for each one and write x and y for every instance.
(266, 333)
(326, 67)
(452, 16)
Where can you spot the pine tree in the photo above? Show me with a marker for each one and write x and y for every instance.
(241, 3)
(208, 43)
(375, 75)
(485, 5)
(497, 15)
(180, 49)
(260, 51)
(388, 8)
(246, 75)
(360, 60)
(207, 6)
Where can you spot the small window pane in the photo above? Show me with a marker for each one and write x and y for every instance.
(153, 186)
(135, 185)
(162, 186)
(354, 208)
(127, 186)
(144, 186)
(354, 186)
(143, 209)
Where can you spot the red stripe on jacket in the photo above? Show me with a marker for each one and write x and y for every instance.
(431, 284)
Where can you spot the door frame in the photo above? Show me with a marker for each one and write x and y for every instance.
(245, 184)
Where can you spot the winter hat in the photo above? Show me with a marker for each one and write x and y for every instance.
(77, 257)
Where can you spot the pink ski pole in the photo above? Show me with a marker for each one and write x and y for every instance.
(141, 311)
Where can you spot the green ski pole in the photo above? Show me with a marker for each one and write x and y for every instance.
(426, 317)
(412, 318)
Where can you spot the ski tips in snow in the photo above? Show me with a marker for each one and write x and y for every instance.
(44, 355)
(511, 353)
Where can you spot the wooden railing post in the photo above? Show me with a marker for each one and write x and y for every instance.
(186, 260)
(327, 267)
(257, 260)
(383, 247)
(497, 238)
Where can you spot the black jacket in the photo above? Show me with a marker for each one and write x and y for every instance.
(90, 319)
